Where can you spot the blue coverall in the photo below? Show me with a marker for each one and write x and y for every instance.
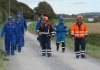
(20, 33)
(10, 37)
(37, 30)
(61, 32)
(25, 27)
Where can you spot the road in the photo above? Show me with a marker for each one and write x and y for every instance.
(31, 58)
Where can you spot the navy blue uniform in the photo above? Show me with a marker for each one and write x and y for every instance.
(47, 31)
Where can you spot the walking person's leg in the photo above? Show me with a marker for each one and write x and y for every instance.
(77, 49)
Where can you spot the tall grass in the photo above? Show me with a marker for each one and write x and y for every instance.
(2, 53)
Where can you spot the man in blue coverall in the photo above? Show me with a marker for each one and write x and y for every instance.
(25, 27)
(61, 33)
(37, 30)
(20, 32)
(10, 32)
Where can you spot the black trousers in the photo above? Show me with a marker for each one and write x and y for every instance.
(46, 44)
(80, 44)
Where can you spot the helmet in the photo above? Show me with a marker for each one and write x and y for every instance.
(41, 16)
(18, 16)
(10, 18)
(61, 18)
(45, 18)
(79, 17)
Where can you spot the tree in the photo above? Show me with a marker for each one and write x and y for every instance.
(16, 7)
(44, 8)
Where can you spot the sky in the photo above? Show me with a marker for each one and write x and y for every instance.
(68, 6)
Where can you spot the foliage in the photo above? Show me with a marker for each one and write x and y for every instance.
(16, 7)
(45, 9)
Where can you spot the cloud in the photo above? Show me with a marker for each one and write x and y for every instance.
(77, 3)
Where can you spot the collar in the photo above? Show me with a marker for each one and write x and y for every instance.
(60, 23)
(9, 24)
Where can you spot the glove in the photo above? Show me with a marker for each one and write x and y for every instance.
(40, 33)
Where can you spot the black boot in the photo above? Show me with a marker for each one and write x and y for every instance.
(12, 54)
(43, 54)
(77, 56)
(83, 56)
(19, 51)
(63, 50)
(48, 54)
(57, 48)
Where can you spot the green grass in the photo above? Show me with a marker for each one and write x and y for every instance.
(2, 53)
(31, 27)
(91, 50)
(68, 20)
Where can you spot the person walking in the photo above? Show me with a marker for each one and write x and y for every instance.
(79, 34)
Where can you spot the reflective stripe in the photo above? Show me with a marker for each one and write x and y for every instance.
(72, 32)
(82, 51)
(66, 33)
(78, 52)
(43, 52)
(63, 47)
(82, 34)
(55, 29)
(66, 29)
(49, 51)
(53, 34)
(64, 24)
(62, 41)
(79, 34)
(37, 30)
(45, 33)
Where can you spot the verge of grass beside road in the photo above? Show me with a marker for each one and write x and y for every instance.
(91, 50)
(2, 53)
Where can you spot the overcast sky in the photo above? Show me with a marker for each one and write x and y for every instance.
(68, 6)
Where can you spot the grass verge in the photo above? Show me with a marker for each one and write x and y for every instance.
(91, 50)
(2, 53)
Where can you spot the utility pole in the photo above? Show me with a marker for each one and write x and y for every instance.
(22, 11)
(9, 7)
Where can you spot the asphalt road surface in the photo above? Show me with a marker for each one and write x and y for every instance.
(31, 58)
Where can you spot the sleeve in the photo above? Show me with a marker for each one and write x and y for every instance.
(3, 30)
(72, 31)
(15, 31)
(37, 27)
(25, 24)
(66, 30)
(86, 30)
(55, 28)
(23, 30)
(52, 31)
(40, 28)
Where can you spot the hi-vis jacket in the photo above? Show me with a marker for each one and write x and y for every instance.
(79, 31)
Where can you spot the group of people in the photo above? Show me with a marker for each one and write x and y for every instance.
(45, 31)
(14, 34)
(14, 31)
